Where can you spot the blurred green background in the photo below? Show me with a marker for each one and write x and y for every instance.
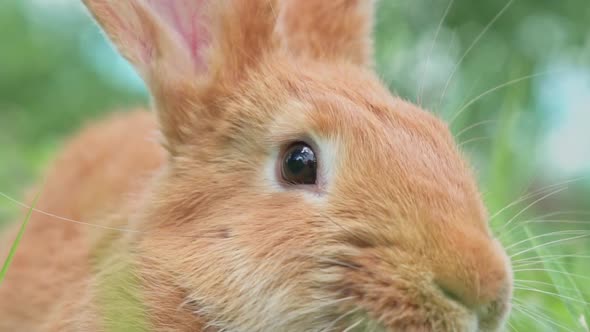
(513, 77)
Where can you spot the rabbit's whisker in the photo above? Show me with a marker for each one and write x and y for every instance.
(533, 194)
(26, 206)
(526, 208)
(541, 221)
(549, 234)
(574, 275)
(468, 50)
(538, 316)
(339, 318)
(512, 327)
(475, 139)
(473, 126)
(525, 282)
(542, 258)
(552, 294)
(427, 63)
(466, 106)
(541, 262)
(552, 243)
(351, 327)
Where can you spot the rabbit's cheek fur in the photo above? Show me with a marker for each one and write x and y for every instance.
(395, 290)
(254, 251)
(427, 261)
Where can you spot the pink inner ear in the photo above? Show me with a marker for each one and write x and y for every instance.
(187, 18)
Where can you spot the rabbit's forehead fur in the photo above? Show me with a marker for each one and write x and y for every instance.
(396, 202)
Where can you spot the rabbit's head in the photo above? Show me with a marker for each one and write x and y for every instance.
(300, 194)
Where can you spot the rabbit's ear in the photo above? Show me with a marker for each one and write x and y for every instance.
(215, 37)
(337, 30)
(178, 46)
(156, 36)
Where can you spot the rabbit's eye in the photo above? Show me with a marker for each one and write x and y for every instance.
(299, 165)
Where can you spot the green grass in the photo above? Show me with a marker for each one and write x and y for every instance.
(566, 287)
(17, 240)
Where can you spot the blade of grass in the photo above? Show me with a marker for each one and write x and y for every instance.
(17, 240)
(564, 284)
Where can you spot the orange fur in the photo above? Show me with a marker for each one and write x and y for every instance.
(203, 237)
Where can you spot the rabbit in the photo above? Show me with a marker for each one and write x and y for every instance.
(278, 185)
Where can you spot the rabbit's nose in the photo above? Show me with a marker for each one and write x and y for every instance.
(475, 278)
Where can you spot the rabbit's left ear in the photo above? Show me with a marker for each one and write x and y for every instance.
(177, 44)
(156, 36)
(334, 30)
(166, 41)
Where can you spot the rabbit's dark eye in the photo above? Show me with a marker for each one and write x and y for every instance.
(299, 165)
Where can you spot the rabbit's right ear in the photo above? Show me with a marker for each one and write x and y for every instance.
(329, 30)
